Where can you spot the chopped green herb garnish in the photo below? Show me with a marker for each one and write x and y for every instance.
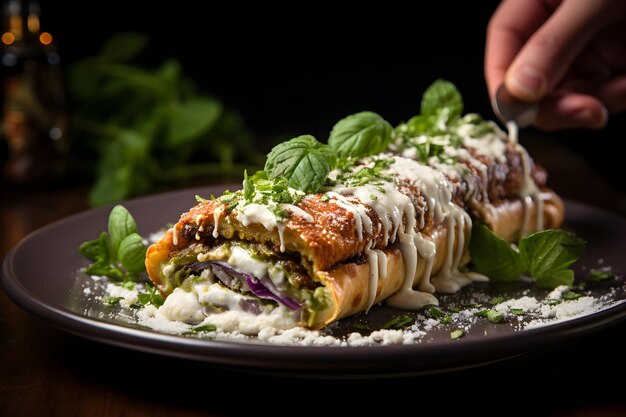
(200, 199)
(552, 302)
(517, 311)
(491, 315)
(111, 301)
(324, 197)
(362, 326)
(497, 300)
(399, 321)
(596, 275)
(204, 328)
(434, 312)
(495, 316)
(453, 309)
(457, 334)
(152, 296)
(375, 175)
(471, 305)
(258, 189)
(571, 295)
(446, 320)
(129, 285)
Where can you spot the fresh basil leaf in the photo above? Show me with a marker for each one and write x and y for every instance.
(91, 249)
(191, 119)
(442, 100)
(302, 161)
(548, 252)
(132, 253)
(121, 224)
(104, 268)
(124, 46)
(493, 256)
(361, 134)
(105, 248)
(114, 178)
(556, 278)
(421, 124)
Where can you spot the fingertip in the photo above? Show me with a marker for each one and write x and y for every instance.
(571, 111)
(591, 118)
(526, 83)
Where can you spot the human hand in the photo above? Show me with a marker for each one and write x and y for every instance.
(567, 55)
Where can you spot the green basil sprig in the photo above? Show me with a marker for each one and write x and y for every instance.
(121, 253)
(361, 134)
(442, 104)
(546, 256)
(305, 163)
(302, 161)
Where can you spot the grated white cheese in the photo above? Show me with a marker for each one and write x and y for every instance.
(182, 312)
(128, 296)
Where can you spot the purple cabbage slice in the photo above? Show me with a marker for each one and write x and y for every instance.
(261, 288)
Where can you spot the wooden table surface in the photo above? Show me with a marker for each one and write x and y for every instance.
(46, 372)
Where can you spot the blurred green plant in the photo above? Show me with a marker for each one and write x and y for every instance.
(140, 130)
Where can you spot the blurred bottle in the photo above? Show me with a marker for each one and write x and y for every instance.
(34, 113)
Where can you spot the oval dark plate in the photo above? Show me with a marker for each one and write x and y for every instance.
(40, 275)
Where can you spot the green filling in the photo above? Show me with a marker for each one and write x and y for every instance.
(312, 296)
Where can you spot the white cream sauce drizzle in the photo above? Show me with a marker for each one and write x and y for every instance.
(216, 219)
(298, 212)
(394, 209)
(530, 192)
(175, 235)
(257, 213)
(359, 212)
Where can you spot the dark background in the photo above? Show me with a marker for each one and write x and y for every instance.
(291, 71)
(298, 69)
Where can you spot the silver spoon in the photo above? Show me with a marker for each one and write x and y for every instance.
(512, 109)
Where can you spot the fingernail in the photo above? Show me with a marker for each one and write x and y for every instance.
(592, 118)
(527, 83)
